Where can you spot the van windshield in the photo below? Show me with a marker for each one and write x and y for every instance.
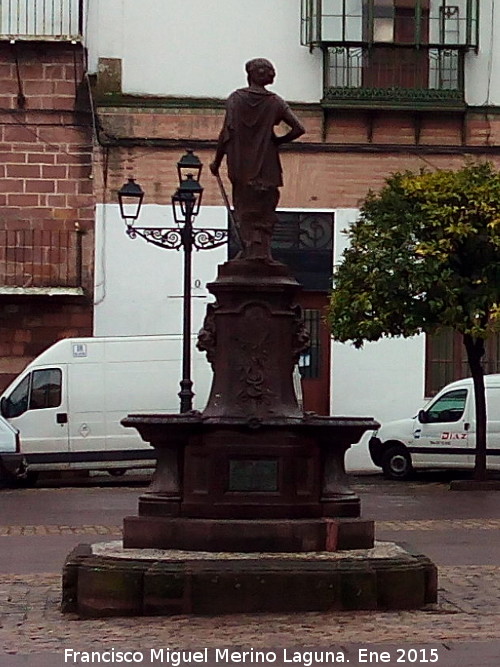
(448, 408)
(18, 400)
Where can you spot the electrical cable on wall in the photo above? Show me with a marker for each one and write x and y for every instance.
(28, 127)
(21, 103)
(21, 98)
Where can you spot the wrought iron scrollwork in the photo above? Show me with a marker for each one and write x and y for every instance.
(159, 236)
(315, 231)
(206, 239)
(174, 238)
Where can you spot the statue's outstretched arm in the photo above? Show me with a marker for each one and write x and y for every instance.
(296, 127)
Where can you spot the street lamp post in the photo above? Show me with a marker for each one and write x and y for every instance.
(186, 202)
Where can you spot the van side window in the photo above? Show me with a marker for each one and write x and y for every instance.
(45, 389)
(493, 403)
(17, 402)
(448, 408)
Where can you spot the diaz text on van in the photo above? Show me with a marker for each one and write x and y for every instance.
(442, 435)
(68, 403)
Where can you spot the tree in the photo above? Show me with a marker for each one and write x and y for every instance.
(425, 254)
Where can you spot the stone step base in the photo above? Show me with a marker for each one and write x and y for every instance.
(107, 580)
(271, 535)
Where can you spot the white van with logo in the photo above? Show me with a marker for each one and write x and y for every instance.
(442, 435)
(68, 403)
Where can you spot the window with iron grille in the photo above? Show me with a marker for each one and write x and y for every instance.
(446, 359)
(436, 23)
(34, 258)
(304, 242)
(397, 52)
(384, 68)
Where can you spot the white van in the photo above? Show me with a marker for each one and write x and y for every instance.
(442, 435)
(10, 450)
(68, 403)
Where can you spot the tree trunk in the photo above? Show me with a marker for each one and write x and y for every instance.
(475, 351)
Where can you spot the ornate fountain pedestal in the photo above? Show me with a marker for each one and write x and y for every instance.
(250, 473)
(276, 485)
(246, 493)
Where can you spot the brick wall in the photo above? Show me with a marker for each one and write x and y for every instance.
(45, 188)
(29, 326)
(325, 174)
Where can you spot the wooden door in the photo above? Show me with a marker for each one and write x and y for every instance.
(395, 65)
(314, 364)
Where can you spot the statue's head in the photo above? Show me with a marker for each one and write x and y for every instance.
(260, 71)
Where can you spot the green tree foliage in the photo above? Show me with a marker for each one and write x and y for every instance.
(425, 254)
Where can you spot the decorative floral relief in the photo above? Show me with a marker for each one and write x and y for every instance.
(207, 337)
(253, 359)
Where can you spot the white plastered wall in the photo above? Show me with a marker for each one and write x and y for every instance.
(139, 292)
(384, 380)
(138, 286)
(482, 71)
(198, 48)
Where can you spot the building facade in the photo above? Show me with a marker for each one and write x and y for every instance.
(46, 200)
(381, 85)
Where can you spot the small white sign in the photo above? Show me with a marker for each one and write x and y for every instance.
(79, 349)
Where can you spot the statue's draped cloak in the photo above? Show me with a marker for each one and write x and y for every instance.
(252, 155)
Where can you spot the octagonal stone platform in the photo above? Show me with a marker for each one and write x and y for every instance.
(104, 579)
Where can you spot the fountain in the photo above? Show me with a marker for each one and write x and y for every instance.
(249, 508)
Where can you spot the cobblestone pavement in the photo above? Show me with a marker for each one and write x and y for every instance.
(59, 530)
(468, 608)
(427, 525)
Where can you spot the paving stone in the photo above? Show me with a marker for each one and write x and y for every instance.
(468, 607)
(464, 622)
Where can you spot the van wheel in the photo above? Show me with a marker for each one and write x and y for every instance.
(29, 478)
(117, 472)
(396, 463)
(7, 478)
(19, 479)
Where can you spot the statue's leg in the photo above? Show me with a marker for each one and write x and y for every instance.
(256, 213)
(267, 219)
(240, 211)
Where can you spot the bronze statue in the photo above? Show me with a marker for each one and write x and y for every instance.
(250, 145)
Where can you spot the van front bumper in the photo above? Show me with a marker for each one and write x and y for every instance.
(375, 448)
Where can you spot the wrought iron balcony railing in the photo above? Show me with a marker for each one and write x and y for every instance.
(394, 77)
(40, 259)
(41, 20)
(434, 23)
